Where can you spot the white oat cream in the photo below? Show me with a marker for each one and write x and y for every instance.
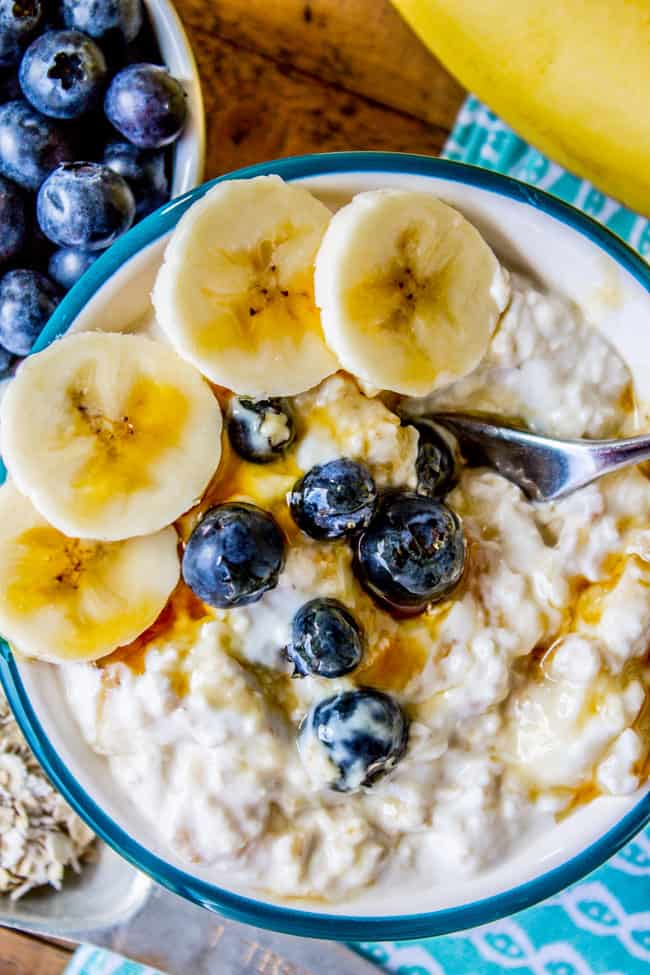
(318, 651)
(526, 689)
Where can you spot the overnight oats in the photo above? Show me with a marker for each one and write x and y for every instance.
(317, 649)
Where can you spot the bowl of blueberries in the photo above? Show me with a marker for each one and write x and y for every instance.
(101, 122)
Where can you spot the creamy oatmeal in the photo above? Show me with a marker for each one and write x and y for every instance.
(526, 690)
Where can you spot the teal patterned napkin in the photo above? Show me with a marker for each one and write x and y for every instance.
(88, 960)
(600, 926)
(479, 137)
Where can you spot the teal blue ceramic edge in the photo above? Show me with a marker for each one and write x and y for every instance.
(248, 910)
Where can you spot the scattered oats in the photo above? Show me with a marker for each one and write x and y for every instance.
(39, 834)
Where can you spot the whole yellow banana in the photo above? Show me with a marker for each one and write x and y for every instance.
(571, 76)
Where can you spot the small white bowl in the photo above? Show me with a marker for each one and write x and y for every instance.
(566, 251)
(189, 151)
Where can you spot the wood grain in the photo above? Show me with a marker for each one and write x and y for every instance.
(262, 104)
(363, 46)
(23, 955)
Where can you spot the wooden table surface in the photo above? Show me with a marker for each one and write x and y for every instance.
(285, 77)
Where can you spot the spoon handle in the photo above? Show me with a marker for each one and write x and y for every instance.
(612, 454)
(544, 468)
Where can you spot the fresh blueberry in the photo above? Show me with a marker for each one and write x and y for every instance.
(144, 50)
(97, 132)
(52, 17)
(39, 248)
(68, 264)
(144, 171)
(234, 555)
(27, 299)
(363, 733)
(10, 88)
(31, 146)
(7, 362)
(325, 639)
(435, 466)
(84, 205)
(62, 73)
(146, 105)
(19, 20)
(13, 225)
(412, 553)
(333, 499)
(104, 19)
(259, 430)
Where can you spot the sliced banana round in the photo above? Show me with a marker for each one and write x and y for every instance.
(409, 291)
(65, 599)
(110, 435)
(235, 293)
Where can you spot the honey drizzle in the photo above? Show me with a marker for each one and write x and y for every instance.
(234, 478)
(587, 605)
(588, 789)
(642, 723)
(231, 480)
(396, 663)
(627, 402)
(182, 610)
(392, 664)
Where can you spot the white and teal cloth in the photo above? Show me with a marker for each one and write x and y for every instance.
(479, 137)
(600, 926)
(97, 961)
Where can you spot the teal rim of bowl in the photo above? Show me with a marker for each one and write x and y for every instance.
(238, 907)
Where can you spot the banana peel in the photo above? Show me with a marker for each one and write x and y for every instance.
(573, 78)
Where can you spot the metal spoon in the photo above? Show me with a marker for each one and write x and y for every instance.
(543, 467)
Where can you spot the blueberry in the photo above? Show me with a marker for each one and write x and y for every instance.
(97, 131)
(325, 639)
(68, 264)
(435, 466)
(84, 205)
(10, 88)
(27, 299)
(13, 226)
(146, 105)
(39, 248)
(363, 733)
(144, 171)
(31, 146)
(19, 20)
(144, 50)
(412, 553)
(62, 73)
(259, 430)
(333, 499)
(234, 555)
(103, 19)
(7, 362)
(53, 16)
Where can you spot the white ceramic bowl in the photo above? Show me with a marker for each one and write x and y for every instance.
(561, 248)
(189, 150)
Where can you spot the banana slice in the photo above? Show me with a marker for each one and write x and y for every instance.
(110, 435)
(73, 599)
(235, 294)
(409, 291)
